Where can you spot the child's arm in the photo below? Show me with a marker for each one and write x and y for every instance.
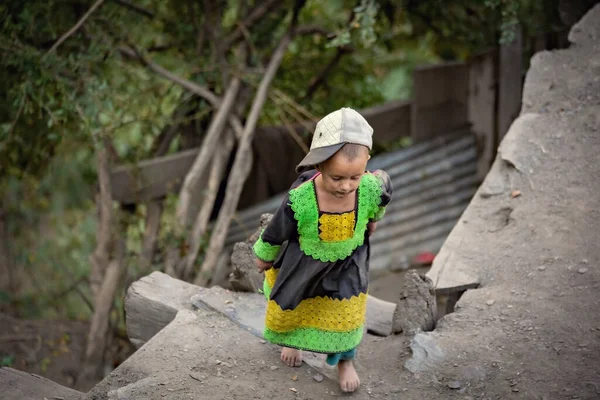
(385, 198)
(281, 228)
(371, 227)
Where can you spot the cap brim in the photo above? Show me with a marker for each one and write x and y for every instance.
(317, 156)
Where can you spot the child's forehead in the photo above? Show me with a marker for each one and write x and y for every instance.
(340, 163)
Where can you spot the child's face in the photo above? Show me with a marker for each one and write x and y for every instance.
(341, 175)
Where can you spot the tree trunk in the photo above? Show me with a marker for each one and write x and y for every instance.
(105, 220)
(105, 275)
(153, 213)
(7, 278)
(97, 336)
(240, 168)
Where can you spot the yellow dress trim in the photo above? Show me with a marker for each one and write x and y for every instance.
(336, 227)
(271, 276)
(323, 313)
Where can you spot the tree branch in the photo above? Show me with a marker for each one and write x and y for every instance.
(320, 79)
(135, 8)
(197, 170)
(201, 91)
(201, 224)
(314, 29)
(254, 16)
(207, 150)
(189, 85)
(74, 29)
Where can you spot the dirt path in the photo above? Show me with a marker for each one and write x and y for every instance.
(530, 239)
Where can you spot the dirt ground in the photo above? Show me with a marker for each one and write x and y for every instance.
(54, 348)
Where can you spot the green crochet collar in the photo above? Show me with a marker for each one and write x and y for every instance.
(306, 212)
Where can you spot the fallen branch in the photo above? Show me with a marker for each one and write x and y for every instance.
(243, 158)
(74, 29)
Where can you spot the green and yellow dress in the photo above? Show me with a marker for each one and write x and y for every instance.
(317, 288)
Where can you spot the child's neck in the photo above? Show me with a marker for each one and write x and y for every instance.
(328, 202)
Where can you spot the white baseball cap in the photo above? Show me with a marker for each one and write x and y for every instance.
(333, 132)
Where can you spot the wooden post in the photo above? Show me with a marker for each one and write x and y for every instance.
(439, 100)
(481, 108)
(510, 84)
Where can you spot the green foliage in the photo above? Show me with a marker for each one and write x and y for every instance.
(7, 361)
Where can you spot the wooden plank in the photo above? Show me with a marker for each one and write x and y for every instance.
(481, 108)
(152, 302)
(439, 100)
(151, 179)
(510, 84)
(276, 154)
(380, 316)
(390, 121)
(24, 386)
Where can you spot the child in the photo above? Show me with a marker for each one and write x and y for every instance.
(315, 251)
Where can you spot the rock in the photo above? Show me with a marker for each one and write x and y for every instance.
(454, 385)
(426, 353)
(490, 302)
(416, 309)
(582, 270)
(318, 377)
(244, 276)
(132, 390)
(274, 367)
(541, 268)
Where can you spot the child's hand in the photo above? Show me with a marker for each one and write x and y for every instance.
(263, 265)
(371, 227)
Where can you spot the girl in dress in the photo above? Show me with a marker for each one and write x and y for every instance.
(315, 251)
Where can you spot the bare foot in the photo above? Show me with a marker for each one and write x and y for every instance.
(349, 381)
(291, 357)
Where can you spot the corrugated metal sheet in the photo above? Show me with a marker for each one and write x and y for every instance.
(433, 181)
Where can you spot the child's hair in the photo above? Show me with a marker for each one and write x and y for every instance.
(351, 150)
